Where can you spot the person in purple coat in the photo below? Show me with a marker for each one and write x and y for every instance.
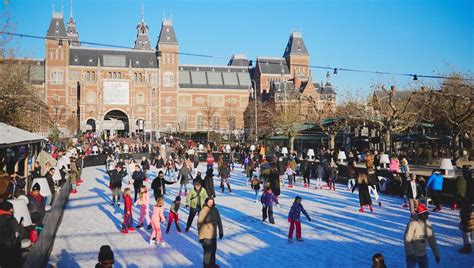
(294, 219)
(267, 199)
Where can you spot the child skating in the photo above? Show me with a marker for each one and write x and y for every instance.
(158, 216)
(127, 216)
(267, 199)
(174, 214)
(290, 174)
(144, 201)
(256, 187)
(294, 218)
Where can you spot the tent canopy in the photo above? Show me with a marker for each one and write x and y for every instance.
(11, 136)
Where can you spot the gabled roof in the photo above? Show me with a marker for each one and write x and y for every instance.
(239, 60)
(56, 26)
(72, 32)
(268, 65)
(84, 56)
(214, 77)
(10, 136)
(167, 34)
(142, 41)
(295, 45)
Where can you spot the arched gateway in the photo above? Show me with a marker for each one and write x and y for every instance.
(116, 123)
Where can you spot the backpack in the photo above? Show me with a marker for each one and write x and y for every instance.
(7, 235)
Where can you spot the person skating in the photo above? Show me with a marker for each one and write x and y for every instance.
(210, 161)
(159, 185)
(115, 183)
(145, 166)
(209, 223)
(294, 218)
(290, 173)
(127, 212)
(373, 182)
(157, 217)
(267, 200)
(435, 185)
(144, 202)
(106, 257)
(256, 187)
(225, 174)
(319, 176)
(195, 201)
(418, 234)
(138, 178)
(198, 178)
(351, 173)
(173, 215)
(364, 196)
(275, 181)
(209, 183)
(466, 200)
(184, 176)
(332, 176)
(307, 170)
(413, 193)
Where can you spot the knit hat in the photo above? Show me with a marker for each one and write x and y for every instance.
(6, 206)
(178, 198)
(36, 187)
(106, 254)
(421, 209)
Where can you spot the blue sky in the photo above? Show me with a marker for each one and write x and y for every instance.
(407, 36)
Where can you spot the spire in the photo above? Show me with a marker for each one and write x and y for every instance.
(167, 34)
(56, 27)
(295, 45)
(142, 41)
(72, 33)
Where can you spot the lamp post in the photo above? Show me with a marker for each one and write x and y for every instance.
(253, 84)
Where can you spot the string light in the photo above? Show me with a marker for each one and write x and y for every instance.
(335, 70)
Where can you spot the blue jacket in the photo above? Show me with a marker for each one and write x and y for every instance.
(268, 198)
(435, 182)
(295, 212)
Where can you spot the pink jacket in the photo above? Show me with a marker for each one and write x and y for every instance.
(158, 214)
(394, 165)
(146, 200)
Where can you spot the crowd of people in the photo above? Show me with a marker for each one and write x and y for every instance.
(267, 173)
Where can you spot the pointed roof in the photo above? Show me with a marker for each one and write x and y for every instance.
(167, 34)
(56, 26)
(143, 40)
(72, 32)
(295, 45)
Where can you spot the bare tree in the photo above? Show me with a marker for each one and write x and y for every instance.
(288, 120)
(209, 112)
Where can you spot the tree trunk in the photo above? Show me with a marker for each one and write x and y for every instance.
(386, 141)
(292, 142)
(456, 148)
(332, 141)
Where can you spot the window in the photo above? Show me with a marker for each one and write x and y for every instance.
(199, 121)
(153, 92)
(56, 77)
(74, 75)
(109, 75)
(119, 75)
(183, 122)
(135, 77)
(93, 78)
(200, 100)
(216, 122)
(140, 98)
(88, 76)
(140, 78)
(168, 79)
(114, 75)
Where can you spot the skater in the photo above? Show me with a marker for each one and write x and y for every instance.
(174, 214)
(145, 166)
(466, 201)
(198, 178)
(332, 176)
(249, 169)
(115, 183)
(106, 257)
(294, 218)
(351, 174)
(184, 175)
(413, 192)
(319, 176)
(209, 223)
(256, 187)
(378, 261)
(364, 196)
(290, 173)
(127, 212)
(435, 185)
(275, 181)
(373, 183)
(209, 183)
(195, 201)
(138, 177)
(418, 234)
(210, 161)
(267, 200)
(307, 168)
(158, 216)
(225, 174)
(159, 185)
(143, 201)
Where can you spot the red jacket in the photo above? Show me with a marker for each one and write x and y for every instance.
(128, 204)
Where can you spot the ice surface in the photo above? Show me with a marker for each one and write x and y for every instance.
(338, 236)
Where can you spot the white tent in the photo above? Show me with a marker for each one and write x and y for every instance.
(11, 136)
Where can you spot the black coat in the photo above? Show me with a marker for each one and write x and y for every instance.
(409, 191)
(159, 186)
(138, 178)
(145, 164)
(116, 177)
(50, 180)
(36, 173)
(275, 183)
(10, 257)
(159, 163)
(364, 196)
(37, 205)
(209, 186)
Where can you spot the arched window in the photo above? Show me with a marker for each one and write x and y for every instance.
(183, 122)
(88, 76)
(216, 122)
(93, 76)
(119, 75)
(199, 121)
(168, 79)
(153, 92)
(140, 98)
(140, 78)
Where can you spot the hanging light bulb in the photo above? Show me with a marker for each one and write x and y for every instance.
(335, 71)
(415, 77)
